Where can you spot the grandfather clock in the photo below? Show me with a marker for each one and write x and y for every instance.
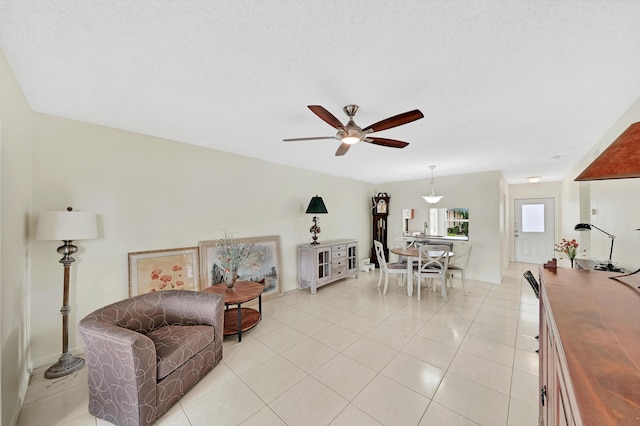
(380, 211)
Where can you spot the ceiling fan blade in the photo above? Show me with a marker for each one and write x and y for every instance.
(342, 149)
(396, 120)
(326, 116)
(392, 143)
(309, 139)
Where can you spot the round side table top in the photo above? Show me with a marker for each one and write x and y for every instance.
(244, 291)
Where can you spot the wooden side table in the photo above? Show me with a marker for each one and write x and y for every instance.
(239, 319)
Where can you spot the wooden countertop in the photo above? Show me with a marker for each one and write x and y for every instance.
(598, 320)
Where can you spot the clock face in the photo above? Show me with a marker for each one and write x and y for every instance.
(381, 206)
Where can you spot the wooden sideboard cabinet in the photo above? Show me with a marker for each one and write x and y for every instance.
(326, 262)
(589, 348)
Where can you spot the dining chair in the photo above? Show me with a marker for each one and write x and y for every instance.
(433, 260)
(458, 262)
(387, 269)
(536, 289)
(404, 242)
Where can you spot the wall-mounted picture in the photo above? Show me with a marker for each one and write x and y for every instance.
(262, 265)
(169, 269)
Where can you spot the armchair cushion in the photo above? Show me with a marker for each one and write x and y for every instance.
(175, 344)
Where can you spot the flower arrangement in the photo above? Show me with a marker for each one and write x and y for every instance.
(568, 249)
(233, 255)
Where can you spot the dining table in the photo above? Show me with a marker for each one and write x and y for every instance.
(412, 254)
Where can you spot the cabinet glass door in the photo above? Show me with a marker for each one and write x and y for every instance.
(324, 262)
(352, 262)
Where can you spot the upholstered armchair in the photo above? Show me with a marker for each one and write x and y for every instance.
(143, 353)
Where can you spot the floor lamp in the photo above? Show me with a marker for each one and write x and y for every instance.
(66, 226)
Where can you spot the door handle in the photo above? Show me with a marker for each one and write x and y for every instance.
(543, 394)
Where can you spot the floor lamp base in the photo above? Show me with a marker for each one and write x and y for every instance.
(66, 365)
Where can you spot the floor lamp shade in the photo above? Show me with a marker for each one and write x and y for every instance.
(66, 226)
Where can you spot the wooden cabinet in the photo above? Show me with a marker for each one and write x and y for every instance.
(589, 349)
(326, 262)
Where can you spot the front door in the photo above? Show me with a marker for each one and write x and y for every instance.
(534, 229)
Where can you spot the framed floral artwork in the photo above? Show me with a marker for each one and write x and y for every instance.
(263, 265)
(168, 269)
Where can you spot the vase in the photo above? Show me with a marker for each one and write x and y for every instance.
(230, 278)
(571, 263)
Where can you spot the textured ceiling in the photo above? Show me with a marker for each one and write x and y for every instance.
(504, 85)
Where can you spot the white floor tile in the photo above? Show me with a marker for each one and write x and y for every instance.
(352, 356)
(309, 354)
(229, 404)
(352, 416)
(440, 415)
(391, 403)
(308, 403)
(472, 400)
(415, 374)
(272, 378)
(344, 376)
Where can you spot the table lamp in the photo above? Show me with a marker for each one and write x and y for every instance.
(587, 227)
(66, 226)
(316, 206)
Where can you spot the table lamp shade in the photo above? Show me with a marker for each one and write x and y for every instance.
(66, 226)
(316, 205)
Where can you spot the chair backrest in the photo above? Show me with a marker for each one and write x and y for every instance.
(403, 242)
(461, 254)
(380, 255)
(433, 258)
(532, 281)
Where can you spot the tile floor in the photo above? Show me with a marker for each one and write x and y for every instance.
(352, 356)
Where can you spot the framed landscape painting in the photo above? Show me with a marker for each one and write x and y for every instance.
(263, 268)
(158, 270)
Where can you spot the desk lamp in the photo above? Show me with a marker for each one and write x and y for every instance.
(316, 206)
(587, 227)
(66, 226)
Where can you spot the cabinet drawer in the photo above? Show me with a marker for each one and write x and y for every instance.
(338, 262)
(338, 253)
(338, 247)
(338, 272)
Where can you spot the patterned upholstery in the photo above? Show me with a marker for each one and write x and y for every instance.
(145, 352)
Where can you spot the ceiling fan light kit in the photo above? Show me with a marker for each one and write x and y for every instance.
(350, 133)
(432, 198)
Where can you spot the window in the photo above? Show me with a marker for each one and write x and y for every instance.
(533, 218)
(452, 223)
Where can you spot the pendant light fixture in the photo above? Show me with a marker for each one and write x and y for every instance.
(432, 198)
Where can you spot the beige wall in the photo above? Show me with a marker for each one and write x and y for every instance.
(15, 181)
(481, 193)
(155, 194)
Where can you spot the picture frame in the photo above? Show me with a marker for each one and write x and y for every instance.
(166, 269)
(267, 270)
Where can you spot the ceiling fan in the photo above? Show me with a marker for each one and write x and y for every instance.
(351, 133)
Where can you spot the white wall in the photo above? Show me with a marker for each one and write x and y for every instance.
(15, 181)
(154, 194)
(481, 193)
(616, 204)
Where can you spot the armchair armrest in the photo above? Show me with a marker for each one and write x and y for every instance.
(122, 369)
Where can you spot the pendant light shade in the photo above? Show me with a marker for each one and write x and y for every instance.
(432, 198)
